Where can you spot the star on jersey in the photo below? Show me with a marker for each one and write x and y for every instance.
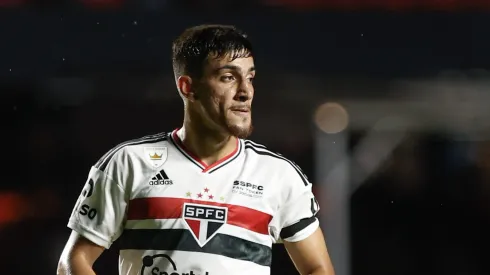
(205, 194)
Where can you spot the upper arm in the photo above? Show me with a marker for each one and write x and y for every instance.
(310, 254)
(79, 248)
(296, 218)
(98, 215)
(100, 210)
(298, 224)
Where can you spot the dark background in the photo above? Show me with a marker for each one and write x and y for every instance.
(78, 77)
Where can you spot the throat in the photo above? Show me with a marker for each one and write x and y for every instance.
(208, 151)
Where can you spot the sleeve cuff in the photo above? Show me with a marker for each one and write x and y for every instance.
(89, 234)
(300, 230)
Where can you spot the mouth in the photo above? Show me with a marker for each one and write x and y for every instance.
(240, 110)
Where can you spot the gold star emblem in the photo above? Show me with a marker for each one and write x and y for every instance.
(222, 198)
(188, 194)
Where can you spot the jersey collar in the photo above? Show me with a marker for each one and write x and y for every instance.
(174, 137)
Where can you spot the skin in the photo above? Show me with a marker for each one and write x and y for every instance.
(217, 107)
(310, 256)
(217, 111)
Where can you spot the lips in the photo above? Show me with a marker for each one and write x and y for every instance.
(241, 109)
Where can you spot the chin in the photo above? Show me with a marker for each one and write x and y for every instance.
(240, 131)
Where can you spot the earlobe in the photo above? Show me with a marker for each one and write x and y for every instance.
(184, 84)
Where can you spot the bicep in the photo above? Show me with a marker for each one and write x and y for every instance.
(310, 254)
(78, 249)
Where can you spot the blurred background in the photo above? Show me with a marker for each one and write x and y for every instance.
(385, 104)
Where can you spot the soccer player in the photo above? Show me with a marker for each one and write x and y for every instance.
(200, 200)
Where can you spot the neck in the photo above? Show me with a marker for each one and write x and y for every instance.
(206, 144)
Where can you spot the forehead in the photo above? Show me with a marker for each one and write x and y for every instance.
(243, 64)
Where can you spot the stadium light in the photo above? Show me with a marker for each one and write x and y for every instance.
(331, 118)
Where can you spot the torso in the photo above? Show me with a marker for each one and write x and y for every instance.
(206, 219)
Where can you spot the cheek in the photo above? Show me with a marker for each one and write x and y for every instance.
(214, 106)
(220, 102)
(223, 106)
(216, 101)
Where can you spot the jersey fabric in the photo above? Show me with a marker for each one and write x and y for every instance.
(173, 214)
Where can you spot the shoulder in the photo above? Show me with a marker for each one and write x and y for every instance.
(274, 160)
(120, 151)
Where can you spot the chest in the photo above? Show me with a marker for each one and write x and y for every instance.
(238, 183)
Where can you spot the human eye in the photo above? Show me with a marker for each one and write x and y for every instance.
(227, 78)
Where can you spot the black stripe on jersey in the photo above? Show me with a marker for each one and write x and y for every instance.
(260, 146)
(255, 148)
(229, 160)
(313, 211)
(291, 230)
(182, 240)
(257, 145)
(116, 148)
(104, 161)
(315, 206)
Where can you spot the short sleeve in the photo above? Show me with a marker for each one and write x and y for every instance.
(100, 210)
(296, 219)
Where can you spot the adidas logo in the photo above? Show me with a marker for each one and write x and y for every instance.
(161, 179)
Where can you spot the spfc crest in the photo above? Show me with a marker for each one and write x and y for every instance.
(155, 156)
(204, 220)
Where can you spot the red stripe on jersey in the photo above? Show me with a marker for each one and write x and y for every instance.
(171, 208)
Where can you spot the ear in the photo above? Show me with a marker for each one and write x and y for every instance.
(184, 85)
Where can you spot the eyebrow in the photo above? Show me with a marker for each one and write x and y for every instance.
(235, 68)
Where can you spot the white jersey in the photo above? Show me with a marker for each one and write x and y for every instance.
(173, 214)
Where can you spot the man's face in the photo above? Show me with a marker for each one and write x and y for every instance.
(225, 94)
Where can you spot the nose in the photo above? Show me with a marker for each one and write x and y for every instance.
(244, 92)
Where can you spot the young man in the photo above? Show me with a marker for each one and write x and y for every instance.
(200, 200)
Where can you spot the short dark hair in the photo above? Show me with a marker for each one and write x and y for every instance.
(192, 48)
